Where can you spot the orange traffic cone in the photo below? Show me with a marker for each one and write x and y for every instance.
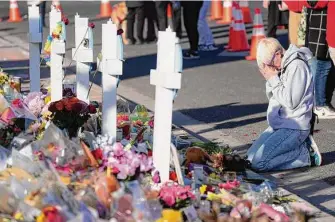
(169, 11)
(239, 37)
(14, 12)
(216, 9)
(231, 28)
(244, 4)
(57, 5)
(258, 33)
(105, 9)
(227, 12)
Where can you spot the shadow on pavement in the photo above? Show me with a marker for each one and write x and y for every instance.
(220, 113)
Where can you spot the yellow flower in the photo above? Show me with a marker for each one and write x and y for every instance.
(41, 218)
(171, 216)
(47, 99)
(212, 196)
(18, 216)
(1, 92)
(214, 176)
(202, 189)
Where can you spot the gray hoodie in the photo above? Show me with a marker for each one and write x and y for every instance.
(291, 94)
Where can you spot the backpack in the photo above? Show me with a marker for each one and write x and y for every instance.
(314, 118)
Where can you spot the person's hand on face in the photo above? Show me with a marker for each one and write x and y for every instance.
(269, 71)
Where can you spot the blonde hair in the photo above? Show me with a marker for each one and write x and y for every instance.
(266, 49)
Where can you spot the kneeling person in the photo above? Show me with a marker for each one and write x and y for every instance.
(287, 143)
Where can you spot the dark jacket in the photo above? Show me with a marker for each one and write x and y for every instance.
(316, 33)
(134, 4)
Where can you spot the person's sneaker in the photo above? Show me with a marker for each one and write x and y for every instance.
(314, 153)
(324, 112)
(211, 48)
(202, 48)
(191, 55)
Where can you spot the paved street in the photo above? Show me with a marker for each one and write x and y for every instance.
(222, 95)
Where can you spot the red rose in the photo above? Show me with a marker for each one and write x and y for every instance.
(91, 25)
(52, 107)
(173, 176)
(52, 214)
(115, 170)
(65, 20)
(119, 32)
(92, 109)
(77, 107)
(17, 103)
(59, 105)
(69, 102)
(98, 155)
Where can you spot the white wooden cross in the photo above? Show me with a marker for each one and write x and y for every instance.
(35, 39)
(56, 57)
(83, 55)
(111, 66)
(166, 78)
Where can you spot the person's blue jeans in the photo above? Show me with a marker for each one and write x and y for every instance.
(321, 70)
(280, 149)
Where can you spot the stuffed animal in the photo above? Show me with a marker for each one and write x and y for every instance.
(196, 155)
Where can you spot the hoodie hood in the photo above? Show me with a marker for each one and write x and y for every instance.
(294, 52)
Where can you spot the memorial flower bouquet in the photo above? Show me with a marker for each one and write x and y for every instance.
(8, 132)
(70, 114)
(175, 196)
(127, 164)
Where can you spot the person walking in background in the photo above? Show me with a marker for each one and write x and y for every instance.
(191, 10)
(135, 10)
(275, 17)
(206, 40)
(295, 10)
(151, 16)
(161, 8)
(317, 43)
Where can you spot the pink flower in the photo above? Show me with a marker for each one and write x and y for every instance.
(183, 196)
(118, 149)
(156, 178)
(169, 200)
(91, 25)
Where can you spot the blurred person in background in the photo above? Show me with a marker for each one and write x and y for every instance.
(135, 10)
(275, 17)
(206, 40)
(151, 16)
(191, 10)
(316, 41)
(295, 10)
(161, 8)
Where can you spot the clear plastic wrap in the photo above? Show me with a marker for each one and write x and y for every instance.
(9, 203)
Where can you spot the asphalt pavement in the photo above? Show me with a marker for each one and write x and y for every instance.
(221, 91)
